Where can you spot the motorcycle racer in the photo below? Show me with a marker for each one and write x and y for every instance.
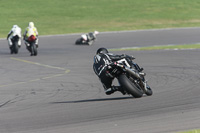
(15, 31)
(30, 30)
(103, 61)
(87, 38)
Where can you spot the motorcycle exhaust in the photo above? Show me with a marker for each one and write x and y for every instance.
(130, 71)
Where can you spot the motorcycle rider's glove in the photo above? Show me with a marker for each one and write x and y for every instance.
(111, 65)
(128, 56)
(131, 57)
(123, 56)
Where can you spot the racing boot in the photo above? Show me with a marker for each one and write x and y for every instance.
(114, 89)
(19, 43)
(36, 42)
(111, 90)
(120, 89)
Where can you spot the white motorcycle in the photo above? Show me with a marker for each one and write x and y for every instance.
(87, 39)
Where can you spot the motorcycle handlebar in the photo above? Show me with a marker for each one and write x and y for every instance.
(130, 57)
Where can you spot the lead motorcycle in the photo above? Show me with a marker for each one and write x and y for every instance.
(31, 45)
(14, 48)
(130, 79)
(87, 39)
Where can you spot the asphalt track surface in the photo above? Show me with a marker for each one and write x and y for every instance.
(58, 92)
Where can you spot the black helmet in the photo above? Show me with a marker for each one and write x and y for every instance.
(102, 50)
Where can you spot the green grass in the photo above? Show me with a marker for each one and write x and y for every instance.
(192, 131)
(75, 16)
(163, 47)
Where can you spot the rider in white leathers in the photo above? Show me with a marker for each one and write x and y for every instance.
(16, 30)
(89, 36)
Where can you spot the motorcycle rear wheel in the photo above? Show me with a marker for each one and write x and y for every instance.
(33, 50)
(15, 47)
(130, 87)
(78, 41)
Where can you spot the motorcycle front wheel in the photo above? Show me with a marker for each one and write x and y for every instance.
(149, 91)
(130, 87)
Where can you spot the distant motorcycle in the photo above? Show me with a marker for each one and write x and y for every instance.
(14, 47)
(87, 39)
(31, 46)
(130, 79)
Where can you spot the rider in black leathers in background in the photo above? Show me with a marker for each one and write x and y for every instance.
(102, 61)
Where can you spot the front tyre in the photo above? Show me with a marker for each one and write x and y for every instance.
(130, 87)
(35, 50)
(149, 91)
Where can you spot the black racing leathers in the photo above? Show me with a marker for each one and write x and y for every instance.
(100, 66)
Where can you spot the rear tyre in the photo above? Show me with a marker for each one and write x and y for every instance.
(78, 41)
(130, 87)
(33, 50)
(11, 50)
(15, 48)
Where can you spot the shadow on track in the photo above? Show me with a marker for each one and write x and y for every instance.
(94, 100)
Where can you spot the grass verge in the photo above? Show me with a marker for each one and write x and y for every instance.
(77, 16)
(191, 131)
(163, 47)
